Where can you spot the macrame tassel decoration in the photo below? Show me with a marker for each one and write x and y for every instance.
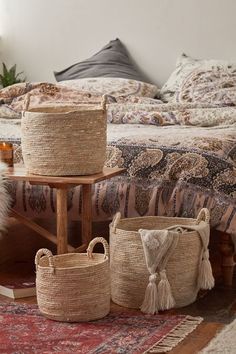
(205, 277)
(4, 198)
(165, 298)
(149, 304)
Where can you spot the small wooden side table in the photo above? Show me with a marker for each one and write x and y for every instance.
(61, 184)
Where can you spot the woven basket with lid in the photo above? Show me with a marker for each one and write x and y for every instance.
(75, 286)
(129, 274)
(63, 141)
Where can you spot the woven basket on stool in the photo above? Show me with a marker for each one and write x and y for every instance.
(73, 287)
(129, 274)
(62, 141)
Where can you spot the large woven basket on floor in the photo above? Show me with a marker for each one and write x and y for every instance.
(62, 141)
(129, 274)
(74, 286)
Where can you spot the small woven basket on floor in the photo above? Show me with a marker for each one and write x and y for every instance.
(129, 273)
(73, 287)
(62, 141)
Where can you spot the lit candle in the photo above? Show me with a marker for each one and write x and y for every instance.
(6, 153)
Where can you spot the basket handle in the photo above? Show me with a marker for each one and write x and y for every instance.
(204, 215)
(44, 252)
(104, 102)
(115, 222)
(94, 242)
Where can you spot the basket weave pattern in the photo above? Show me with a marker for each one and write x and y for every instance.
(73, 287)
(62, 141)
(129, 274)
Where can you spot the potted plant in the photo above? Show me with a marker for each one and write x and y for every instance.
(9, 76)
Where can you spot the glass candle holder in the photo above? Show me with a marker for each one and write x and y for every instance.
(6, 153)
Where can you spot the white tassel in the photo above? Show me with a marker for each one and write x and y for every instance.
(4, 199)
(149, 304)
(205, 277)
(165, 297)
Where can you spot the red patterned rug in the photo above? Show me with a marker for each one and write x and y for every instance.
(24, 330)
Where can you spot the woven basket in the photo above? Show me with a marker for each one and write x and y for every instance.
(73, 287)
(62, 141)
(129, 274)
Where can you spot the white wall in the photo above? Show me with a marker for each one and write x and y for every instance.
(46, 35)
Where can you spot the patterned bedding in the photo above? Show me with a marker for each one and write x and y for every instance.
(179, 158)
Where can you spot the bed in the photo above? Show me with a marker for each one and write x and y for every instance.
(179, 151)
(179, 158)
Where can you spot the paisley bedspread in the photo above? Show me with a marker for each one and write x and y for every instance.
(179, 158)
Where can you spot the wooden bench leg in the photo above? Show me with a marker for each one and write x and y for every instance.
(86, 217)
(62, 221)
(86, 214)
(227, 253)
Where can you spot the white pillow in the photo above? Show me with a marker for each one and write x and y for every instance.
(203, 81)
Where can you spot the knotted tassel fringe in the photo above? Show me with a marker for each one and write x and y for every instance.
(175, 336)
(149, 304)
(205, 277)
(165, 298)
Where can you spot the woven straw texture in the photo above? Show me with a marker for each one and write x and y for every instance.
(62, 141)
(73, 287)
(129, 274)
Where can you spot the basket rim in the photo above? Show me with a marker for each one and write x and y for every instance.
(157, 217)
(178, 221)
(136, 232)
(101, 255)
(71, 109)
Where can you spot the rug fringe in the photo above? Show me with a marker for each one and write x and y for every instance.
(175, 336)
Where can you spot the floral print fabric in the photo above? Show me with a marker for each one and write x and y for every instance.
(171, 114)
(113, 86)
(179, 158)
(15, 98)
(205, 81)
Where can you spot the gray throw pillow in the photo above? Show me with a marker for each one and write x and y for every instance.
(111, 61)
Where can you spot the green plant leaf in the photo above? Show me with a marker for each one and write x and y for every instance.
(10, 77)
(12, 71)
(17, 75)
(5, 71)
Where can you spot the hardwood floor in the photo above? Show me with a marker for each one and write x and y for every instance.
(217, 307)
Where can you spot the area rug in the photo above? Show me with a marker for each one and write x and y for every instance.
(24, 330)
(224, 342)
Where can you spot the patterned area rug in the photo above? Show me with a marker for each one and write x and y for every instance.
(24, 330)
(224, 342)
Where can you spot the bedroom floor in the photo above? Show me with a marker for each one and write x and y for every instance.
(217, 307)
